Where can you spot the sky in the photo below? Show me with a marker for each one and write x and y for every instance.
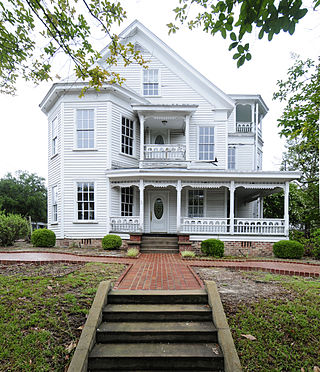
(23, 136)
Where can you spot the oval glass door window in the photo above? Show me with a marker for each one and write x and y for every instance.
(159, 140)
(158, 208)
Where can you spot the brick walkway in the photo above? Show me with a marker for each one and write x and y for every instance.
(162, 271)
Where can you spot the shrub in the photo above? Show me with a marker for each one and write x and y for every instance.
(12, 228)
(188, 254)
(111, 242)
(132, 252)
(288, 249)
(213, 247)
(43, 238)
(315, 239)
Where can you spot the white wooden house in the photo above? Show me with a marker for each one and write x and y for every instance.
(168, 152)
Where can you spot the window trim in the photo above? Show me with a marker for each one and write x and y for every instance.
(235, 164)
(54, 139)
(54, 213)
(198, 143)
(76, 148)
(133, 137)
(76, 219)
(204, 202)
(159, 83)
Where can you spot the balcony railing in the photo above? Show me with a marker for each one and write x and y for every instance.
(244, 127)
(261, 226)
(205, 225)
(165, 152)
(125, 224)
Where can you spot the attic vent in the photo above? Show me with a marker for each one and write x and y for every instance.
(138, 47)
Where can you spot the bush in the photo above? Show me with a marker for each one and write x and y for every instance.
(12, 228)
(213, 247)
(315, 239)
(132, 252)
(111, 242)
(188, 254)
(43, 238)
(288, 249)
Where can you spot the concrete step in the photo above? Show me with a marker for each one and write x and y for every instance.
(198, 296)
(159, 356)
(162, 244)
(110, 332)
(158, 312)
(171, 251)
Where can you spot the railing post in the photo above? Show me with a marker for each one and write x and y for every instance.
(286, 209)
(141, 117)
(178, 187)
(141, 194)
(232, 189)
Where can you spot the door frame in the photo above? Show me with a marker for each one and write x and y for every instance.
(165, 205)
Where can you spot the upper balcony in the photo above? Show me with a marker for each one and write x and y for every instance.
(165, 152)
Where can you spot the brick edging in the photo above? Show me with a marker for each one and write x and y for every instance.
(195, 276)
(248, 260)
(122, 276)
(71, 254)
(267, 269)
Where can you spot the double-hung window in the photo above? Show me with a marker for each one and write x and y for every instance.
(127, 133)
(151, 82)
(206, 143)
(85, 201)
(126, 201)
(231, 157)
(54, 197)
(85, 129)
(196, 203)
(54, 137)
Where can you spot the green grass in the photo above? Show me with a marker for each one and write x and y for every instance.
(287, 329)
(40, 316)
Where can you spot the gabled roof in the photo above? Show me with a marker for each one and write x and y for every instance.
(136, 30)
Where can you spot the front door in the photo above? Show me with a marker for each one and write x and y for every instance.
(159, 211)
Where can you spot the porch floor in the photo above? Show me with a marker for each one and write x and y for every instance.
(162, 271)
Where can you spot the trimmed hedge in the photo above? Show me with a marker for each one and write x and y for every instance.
(213, 247)
(43, 238)
(111, 242)
(288, 249)
(12, 228)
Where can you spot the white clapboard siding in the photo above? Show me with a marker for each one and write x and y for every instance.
(118, 158)
(215, 203)
(54, 170)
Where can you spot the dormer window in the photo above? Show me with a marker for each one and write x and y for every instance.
(151, 82)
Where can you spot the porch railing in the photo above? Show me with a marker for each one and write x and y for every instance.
(165, 152)
(125, 224)
(204, 225)
(244, 127)
(261, 226)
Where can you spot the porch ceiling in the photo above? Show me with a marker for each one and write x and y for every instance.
(249, 195)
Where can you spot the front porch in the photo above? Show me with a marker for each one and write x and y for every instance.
(224, 209)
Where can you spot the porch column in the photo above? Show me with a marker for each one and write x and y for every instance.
(187, 136)
(108, 189)
(141, 117)
(232, 188)
(141, 192)
(178, 187)
(286, 209)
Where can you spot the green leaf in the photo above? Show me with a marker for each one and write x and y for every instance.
(248, 56)
(241, 61)
(233, 36)
(233, 45)
(292, 28)
(236, 55)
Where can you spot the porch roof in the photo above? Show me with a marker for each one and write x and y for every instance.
(203, 175)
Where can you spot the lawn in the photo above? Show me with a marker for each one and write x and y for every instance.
(286, 328)
(42, 311)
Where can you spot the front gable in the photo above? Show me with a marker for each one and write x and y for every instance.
(178, 80)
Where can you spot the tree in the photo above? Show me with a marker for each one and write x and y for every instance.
(24, 194)
(299, 124)
(238, 18)
(32, 32)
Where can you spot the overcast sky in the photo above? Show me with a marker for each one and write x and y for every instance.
(23, 138)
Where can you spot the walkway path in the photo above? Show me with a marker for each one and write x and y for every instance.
(162, 271)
